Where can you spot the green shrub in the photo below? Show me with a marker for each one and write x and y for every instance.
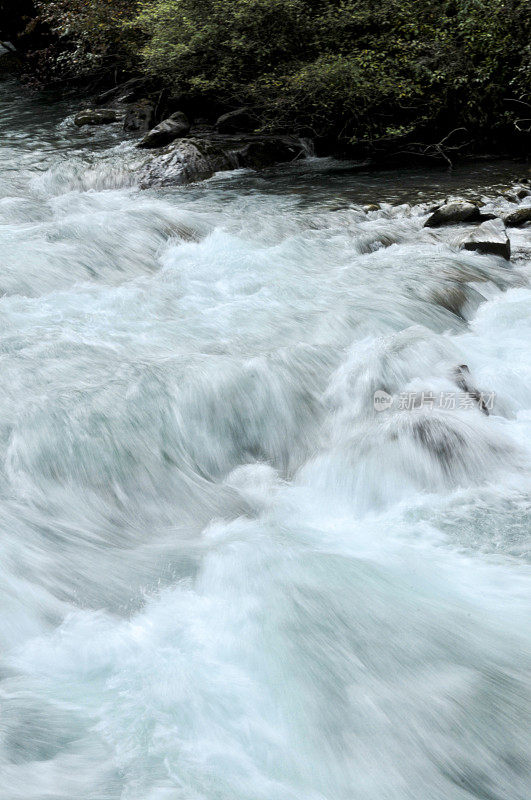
(352, 70)
(357, 70)
(92, 34)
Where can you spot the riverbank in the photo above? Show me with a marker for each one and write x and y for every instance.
(388, 83)
(184, 148)
(187, 146)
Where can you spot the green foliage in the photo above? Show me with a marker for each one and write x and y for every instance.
(349, 69)
(91, 34)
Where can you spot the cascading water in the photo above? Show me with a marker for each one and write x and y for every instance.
(224, 574)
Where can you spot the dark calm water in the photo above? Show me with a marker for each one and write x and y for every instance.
(224, 575)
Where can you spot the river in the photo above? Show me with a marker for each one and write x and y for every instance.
(226, 575)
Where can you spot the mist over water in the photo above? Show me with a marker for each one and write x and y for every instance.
(223, 574)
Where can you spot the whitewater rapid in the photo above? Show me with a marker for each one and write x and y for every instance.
(223, 574)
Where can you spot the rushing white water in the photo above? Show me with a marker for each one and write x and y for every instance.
(224, 575)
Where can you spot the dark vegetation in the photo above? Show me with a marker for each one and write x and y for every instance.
(428, 76)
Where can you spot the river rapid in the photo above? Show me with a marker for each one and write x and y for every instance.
(224, 575)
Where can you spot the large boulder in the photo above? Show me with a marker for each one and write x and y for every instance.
(140, 116)
(489, 238)
(97, 116)
(452, 213)
(239, 121)
(197, 158)
(176, 126)
(186, 161)
(518, 217)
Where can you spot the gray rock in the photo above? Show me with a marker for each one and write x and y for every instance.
(237, 121)
(174, 127)
(489, 238)
(186, 161)
(140, 116)
(97, 116)
(518, 217)
(462, 378)
(194, 159)
(452, 213)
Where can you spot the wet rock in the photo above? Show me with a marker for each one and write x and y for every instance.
(445, 443)
(173, 127)
(450, 296)
(518, 217)
(452, 213)
(241, 120)
(489, 238)
(97, 116)
(371, 207)
(140, 117)
(484, 217)
(521, 193)
(461, 376)
(187, 161)
(196, 158)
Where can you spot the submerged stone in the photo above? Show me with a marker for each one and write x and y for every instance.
(452, 213)
(489, 238)
(461, 376)
(518, 217)
(97, 116)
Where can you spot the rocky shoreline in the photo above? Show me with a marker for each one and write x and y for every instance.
(185, 151)
(190, 143)
(488, 234)
(189, 148)
(181, 147)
